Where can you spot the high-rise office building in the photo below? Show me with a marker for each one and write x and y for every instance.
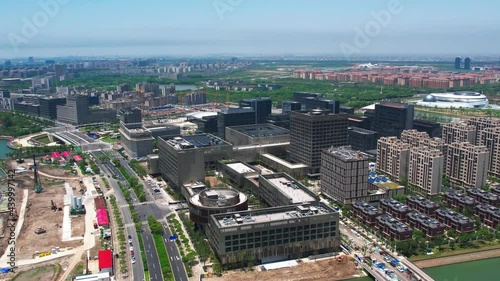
(311, 101)
(467, 164)
(313, 131)
(48, 106)
(60, 70)
(362, 139)
(234, 117)
(490, 137)
(290, 105)
(393, 157)
(458, 62)
(390, 118)
(76, 111)
(344, 174)
(467, 62)
(459, 132)
(481, 123)
(425, 169)
(261, 106)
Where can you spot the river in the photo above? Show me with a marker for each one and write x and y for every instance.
(186, 87)
(467, 271)
(4, 149)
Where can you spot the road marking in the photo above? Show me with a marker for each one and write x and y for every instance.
(151, 255)
(149, 246)
(154, 265)
(156, 277)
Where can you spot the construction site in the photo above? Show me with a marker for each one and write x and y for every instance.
(338, 268)
(42, 212)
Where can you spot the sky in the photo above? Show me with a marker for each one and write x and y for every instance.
(46, 28)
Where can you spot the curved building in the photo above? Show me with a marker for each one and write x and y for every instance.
(462, 99)
(215, 201)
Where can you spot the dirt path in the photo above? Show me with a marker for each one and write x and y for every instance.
(57, 177)
(458, 258)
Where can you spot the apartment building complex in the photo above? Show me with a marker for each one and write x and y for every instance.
(459, 132)
(490, 137)
(366, 213)
(481, 123)
(395, 208)
(344, 174)
(429, 226)
(454, 220)
(467, 165)
(393, 157)
(426, 169)
(422, 204)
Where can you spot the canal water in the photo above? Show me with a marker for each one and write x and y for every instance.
(467, 271)
(4, 149)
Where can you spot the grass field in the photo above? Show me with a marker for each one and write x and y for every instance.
(110, 139)
(46, 273)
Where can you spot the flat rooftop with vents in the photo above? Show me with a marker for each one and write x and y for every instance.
(271, 215)
(195, 141)
(262, 133)
(282, 189)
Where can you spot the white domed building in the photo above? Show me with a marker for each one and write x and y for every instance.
(462, 99)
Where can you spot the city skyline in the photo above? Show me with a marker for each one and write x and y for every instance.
(362, 28)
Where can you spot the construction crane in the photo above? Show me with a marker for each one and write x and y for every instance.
(38, 185)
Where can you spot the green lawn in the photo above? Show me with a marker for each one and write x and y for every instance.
(43, 139)
(109, 139)
(458, 251)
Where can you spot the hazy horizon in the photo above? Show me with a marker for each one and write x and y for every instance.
(248, 27)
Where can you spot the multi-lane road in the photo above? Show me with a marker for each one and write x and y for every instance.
(144, 210)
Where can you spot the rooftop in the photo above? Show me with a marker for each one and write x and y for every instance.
(425, 220)
(346, 154)
(291, 188)
(236, 110)
(489, 209)
(271, 215)
(240, 168)
(393, 223)
(194, 141)
(422, 201)
(483, 194)
(366, 208)
(453, 215)
(261, 130)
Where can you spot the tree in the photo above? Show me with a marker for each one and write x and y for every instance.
(404, 181)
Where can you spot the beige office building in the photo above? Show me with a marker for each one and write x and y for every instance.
(425, 169)
(393, 157)
(467, 164)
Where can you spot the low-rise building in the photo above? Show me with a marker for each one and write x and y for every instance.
(392, 228)
(485, 197)
(256, 134)
(457, 199)
(430, 227)
(274, 234)
(489, 215)
(422, 204)
(215, 201)
(454, 220)
(395, 208)
(366, 213)
(237, 172)
(495, 189)
(281, 189)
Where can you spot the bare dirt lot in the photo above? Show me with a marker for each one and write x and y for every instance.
(328, 269)
(40, 214)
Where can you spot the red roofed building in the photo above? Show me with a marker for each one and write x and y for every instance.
(106, 261)
(66, 154)
(77, 158)
(102, 217)
(56, 155)
(99, 203)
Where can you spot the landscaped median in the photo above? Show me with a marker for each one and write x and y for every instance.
(187, 254)
(157, 230)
